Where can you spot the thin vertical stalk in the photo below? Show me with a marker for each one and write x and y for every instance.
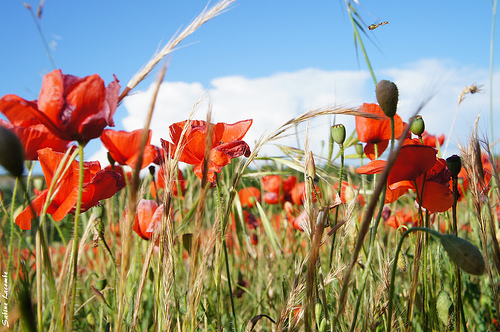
(341, 174)
(71, 289)
(458, 275)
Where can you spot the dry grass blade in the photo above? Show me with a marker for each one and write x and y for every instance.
(205, 16)
(126, 227)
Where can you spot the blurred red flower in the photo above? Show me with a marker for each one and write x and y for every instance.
(348, 193)
(278, 190)
(124, 146)
(432, 140)
(400, 218)
(226, 144)
(248, 196)
(72, 108)
(147, 217)
(160, 183)
(34, 138)
(97, 184)
(374, 131)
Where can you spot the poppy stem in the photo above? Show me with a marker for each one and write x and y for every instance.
(458, 275)
(74, 250)
(341, 170)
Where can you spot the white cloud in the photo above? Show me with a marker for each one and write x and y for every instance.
(271, 101)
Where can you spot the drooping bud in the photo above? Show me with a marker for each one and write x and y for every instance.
(454, 164)
(387, 97)
(418, 125)
(338, 133)
(463, 253)
(11, 152)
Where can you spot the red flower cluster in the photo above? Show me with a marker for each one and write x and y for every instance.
(416, 168)
(226, 144)
(97, 184)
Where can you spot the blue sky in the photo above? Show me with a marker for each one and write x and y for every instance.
(267, 60)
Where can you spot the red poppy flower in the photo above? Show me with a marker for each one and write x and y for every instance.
(348, 193)
(374, 131)
(299, 193)
(160, 183)
(147, 218)
(97, 184)
(72, 108)
(412, 164)
(278, 190)
(124, 146)
(399, 219)
(432, 140)
(248, 196)
(226, 144)
(34, 138)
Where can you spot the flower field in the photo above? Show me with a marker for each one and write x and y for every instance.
(218, 237)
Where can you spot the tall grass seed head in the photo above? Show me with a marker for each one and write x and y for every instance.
(11, 152)
(338, 133)
(454, 164)
(418, 125)
(464, 254)
(311, 166)
(387, 97)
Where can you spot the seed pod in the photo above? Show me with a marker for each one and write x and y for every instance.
(454, 164)
(464, 254)
(387, 97)
(338, 133)
(418, 126)
(11, 152)
(445, 309)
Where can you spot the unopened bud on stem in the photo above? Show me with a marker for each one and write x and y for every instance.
(387, 97)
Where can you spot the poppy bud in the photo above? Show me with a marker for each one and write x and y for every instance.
(101, 284)
(454, 164)
(338, 133)
(110, 159)
(359, 149)
(152, 170)
(318, 309)
(387, 97)
(464, 254)
(418, 125)
(323, 325)
(98, 211)
(11, 152)
(38, 183)
(445, 309)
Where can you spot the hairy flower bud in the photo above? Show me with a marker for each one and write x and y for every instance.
(464, 254)
(445, 309)
(11, 152)
(387, 97)
(418, 125)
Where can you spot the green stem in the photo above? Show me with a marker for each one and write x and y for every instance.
(71, 290)
(394, 267)
(341, 173)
